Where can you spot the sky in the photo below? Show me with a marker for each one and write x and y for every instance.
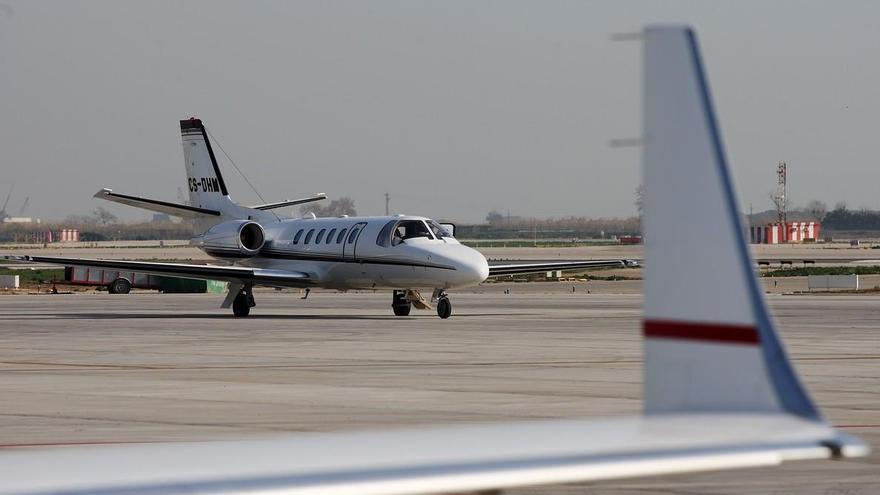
(455, 108)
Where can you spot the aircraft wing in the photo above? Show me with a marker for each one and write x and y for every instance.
(438, 460)
(235, 274)
(523, 268)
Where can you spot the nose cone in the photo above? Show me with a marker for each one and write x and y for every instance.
(472, 267)
(464, 266)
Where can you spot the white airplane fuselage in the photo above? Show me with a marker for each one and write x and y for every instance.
(402, 253)
(362, 253)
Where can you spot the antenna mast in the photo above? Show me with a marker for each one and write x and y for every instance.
(779, 197)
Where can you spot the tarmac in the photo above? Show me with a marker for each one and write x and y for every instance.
(146, 367)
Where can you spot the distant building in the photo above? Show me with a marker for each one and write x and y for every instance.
(21, 220)
(630, 239)
(68, 235)
(778, 233)
(63, 235)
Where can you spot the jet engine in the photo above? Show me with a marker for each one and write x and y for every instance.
(235, 238)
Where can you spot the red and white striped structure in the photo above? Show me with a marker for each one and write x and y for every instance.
(43, 237)
(776, 233)
(801, 231)
(68, 235)
(48, 236)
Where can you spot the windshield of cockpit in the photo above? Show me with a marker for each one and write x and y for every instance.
(397, 231)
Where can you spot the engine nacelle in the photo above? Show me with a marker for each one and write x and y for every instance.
(235, 238)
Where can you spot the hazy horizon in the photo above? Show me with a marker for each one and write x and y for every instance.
(454, 108)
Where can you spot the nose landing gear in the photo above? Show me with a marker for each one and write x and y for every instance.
(444, 307)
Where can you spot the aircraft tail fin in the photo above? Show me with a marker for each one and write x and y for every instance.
(207, 189)
(710, 344)
(205, 183)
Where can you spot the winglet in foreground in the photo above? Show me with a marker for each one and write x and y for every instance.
(720, 392)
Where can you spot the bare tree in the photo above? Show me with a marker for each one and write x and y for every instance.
(75, 219)
(640, 200)
(493, 217)
(781, 203)
(337, 207)
(103, 216)
(817, 209)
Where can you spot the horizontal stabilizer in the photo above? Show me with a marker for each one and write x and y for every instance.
(290, 202)
(175, 209)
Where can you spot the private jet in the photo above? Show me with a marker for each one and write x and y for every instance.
(258, 248)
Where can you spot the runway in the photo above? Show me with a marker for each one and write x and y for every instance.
(95, 368)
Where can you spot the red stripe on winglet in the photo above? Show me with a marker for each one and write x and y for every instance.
(709, 332)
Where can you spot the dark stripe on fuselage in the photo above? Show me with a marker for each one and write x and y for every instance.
(325, 257)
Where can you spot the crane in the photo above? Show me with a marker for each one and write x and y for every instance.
(3, 214)
(24, 206)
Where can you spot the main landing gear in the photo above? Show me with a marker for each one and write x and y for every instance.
(243, 302)
(402, 302)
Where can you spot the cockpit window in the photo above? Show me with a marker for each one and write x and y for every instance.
(409, 229)
(438, 230)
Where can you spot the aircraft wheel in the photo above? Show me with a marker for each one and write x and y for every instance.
(444, 308)
(400, 304)
(241, 305)
(119, 286)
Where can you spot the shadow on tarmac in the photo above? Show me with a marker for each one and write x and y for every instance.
(225, 316)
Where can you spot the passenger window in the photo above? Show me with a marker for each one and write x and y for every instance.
(353, 235)
(330, 235)
(297, 236)
(341, 236)
(309, 236)
(320, 236)
(384, 238)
